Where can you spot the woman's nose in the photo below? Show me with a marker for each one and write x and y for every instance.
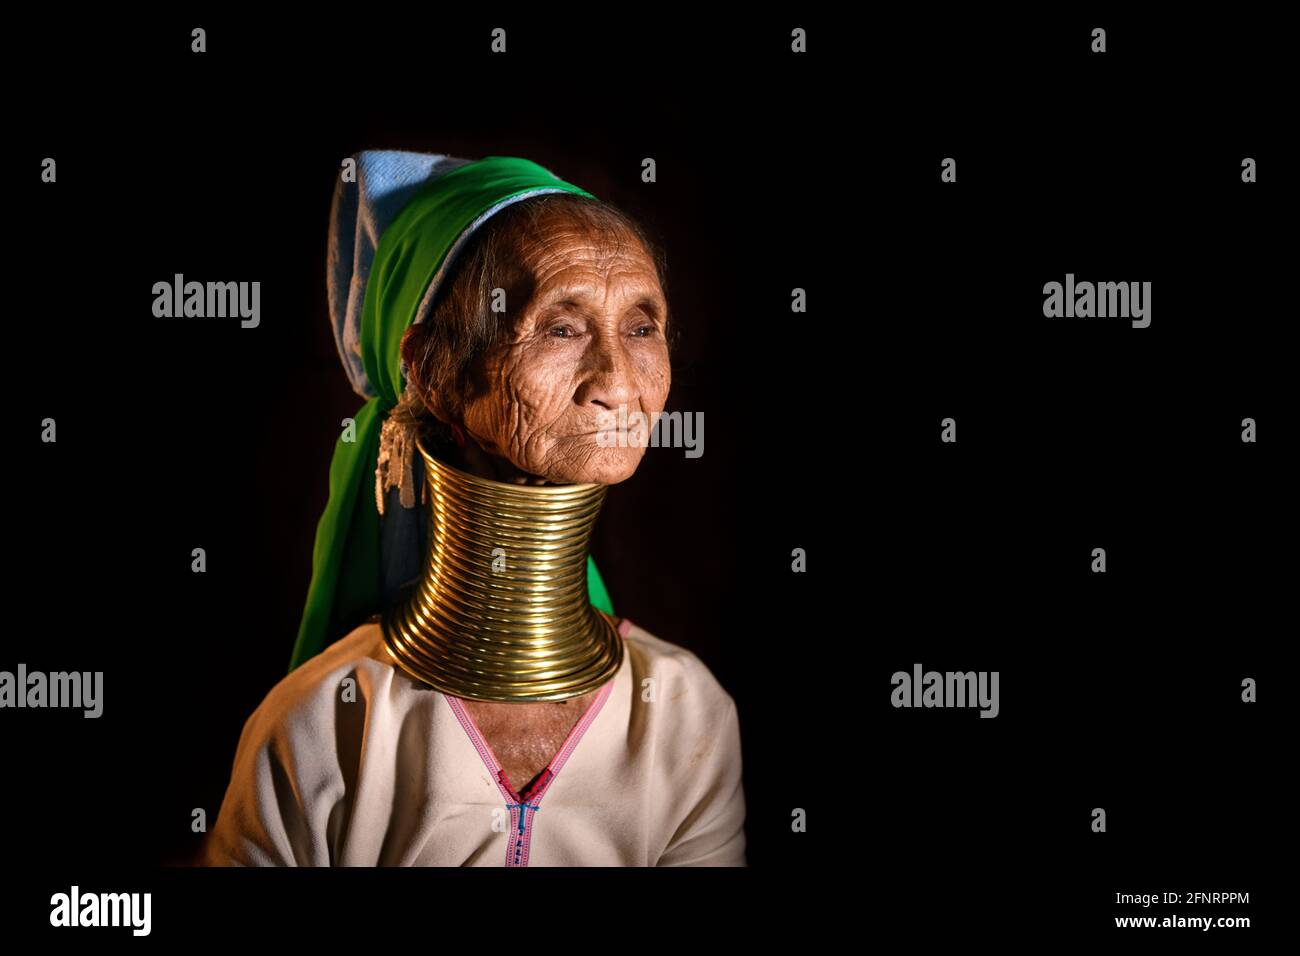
(608, 381)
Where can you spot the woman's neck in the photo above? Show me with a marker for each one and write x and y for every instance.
(501, 611)
(475, 460)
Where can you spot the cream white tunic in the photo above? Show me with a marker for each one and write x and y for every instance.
(401, 776)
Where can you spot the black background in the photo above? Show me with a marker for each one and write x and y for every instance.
(776, 171)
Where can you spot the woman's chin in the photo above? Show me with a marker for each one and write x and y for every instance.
(596, 465)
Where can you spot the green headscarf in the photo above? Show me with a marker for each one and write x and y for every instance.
(346, 581)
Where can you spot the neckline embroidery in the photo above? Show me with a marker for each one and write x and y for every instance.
(519, 804)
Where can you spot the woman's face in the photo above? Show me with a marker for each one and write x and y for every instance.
(587, 352)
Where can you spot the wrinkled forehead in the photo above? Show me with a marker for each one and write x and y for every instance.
(557, 237)
(561, 257)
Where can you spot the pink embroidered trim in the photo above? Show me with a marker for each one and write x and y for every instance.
(521, 839)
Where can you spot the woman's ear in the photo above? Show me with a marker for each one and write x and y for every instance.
(412, 346)
(416, 355)
(414, 351)
(440, 409)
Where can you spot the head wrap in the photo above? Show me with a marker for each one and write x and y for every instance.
(393, 234)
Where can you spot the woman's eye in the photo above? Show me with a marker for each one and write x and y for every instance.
(559, 331)
(645, 330)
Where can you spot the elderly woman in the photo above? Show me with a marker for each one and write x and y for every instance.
(461, 692)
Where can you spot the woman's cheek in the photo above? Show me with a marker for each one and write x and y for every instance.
(544, 388)
(654, 382)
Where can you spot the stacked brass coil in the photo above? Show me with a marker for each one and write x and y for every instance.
(501, 610)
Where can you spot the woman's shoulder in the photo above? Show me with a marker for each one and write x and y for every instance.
(320, 681)
(677, 669)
